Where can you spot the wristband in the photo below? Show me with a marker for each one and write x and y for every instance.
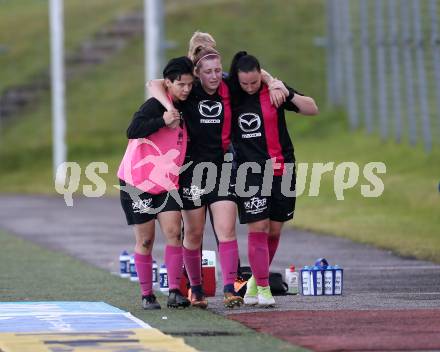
(291, 95)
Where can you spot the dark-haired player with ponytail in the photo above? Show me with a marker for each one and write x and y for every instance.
(260, 135)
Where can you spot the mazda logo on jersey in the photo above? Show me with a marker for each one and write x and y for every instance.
(249, 122)
(210, 109)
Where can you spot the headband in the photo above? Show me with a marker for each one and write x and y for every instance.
(205, 56)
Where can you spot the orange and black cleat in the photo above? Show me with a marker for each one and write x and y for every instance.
(198, 300)
(232, 300)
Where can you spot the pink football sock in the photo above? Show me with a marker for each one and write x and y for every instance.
(193, 265)
(228, 252)
(144, 268)
(272, 243)
(174, 263)
(258, 254)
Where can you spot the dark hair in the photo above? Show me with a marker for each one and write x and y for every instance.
(241, 62)
(244, 62)
(177, 67)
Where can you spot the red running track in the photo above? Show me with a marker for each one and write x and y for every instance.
(351, 330)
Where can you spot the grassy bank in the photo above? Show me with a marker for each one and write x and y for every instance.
(24, 32)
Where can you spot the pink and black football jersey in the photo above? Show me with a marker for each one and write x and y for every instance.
(208, 120)
(259, 130)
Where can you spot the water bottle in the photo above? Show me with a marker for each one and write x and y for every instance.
(155, 275)
(321, 262)
(317, 281)
(133, 272)
(328, 281)
(124, 264)
(305, 281)
(291, 278)
(163, 279)
(338, 278)
(312, 283)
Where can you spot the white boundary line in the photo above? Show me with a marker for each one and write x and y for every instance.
(137, 320)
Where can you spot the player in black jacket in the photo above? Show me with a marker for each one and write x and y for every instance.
(148, 177)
